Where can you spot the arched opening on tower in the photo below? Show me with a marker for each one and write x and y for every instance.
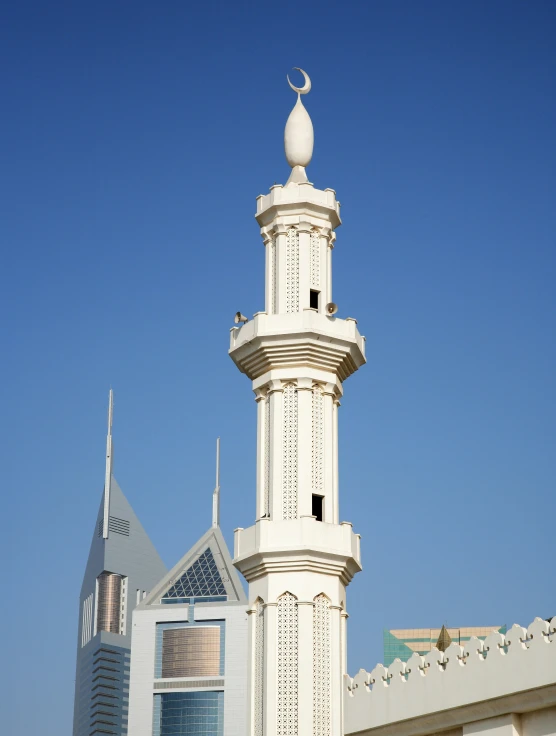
(314, 299)
(317, 505)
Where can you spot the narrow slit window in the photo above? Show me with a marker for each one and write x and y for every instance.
(317, 506)
(314, 299)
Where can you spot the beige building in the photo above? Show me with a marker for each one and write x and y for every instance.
(401, 643)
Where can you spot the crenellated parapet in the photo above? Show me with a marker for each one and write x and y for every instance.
(521, 661)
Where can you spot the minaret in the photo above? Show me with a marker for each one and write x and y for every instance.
(298, 557)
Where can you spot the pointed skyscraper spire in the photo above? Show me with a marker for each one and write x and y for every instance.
(216, 493)
(122, 566)
(108, 471)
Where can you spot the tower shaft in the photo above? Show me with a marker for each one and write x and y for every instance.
(297, 557)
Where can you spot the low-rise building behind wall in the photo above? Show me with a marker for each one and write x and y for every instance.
(401, 643)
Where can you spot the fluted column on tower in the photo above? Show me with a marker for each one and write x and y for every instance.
(297, 557)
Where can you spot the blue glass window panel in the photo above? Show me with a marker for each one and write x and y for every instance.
(200, 580)
(190, 714)
(156, 714)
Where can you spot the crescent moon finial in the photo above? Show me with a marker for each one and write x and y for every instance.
(307, 82)
(298, 135)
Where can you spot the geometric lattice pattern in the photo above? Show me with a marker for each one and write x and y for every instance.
(259, 670)
(292, 271)
(287, 710)
(266, 494)
(274, 274)
(315, 260)
(289, 457)
(317, 441)
(201, 580)
(321, 667)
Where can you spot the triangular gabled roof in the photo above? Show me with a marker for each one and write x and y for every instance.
(206, 568)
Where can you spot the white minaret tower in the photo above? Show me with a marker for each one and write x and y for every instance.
(298, 557)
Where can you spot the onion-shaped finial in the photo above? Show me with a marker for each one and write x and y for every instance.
(298, 135)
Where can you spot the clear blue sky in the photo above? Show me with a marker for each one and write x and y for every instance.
(134, 139)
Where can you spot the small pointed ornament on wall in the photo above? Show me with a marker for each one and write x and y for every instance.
(444, 640)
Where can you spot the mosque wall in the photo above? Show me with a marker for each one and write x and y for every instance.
(504, 685)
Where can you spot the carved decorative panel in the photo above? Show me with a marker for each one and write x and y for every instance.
(266, 493)
(292, 271)
(317, 441)
(321, 667)
(274, 277)
(258, 675)
(287, 703)
(315, 260)
(289, 474)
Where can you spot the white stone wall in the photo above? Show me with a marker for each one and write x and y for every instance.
(539, 723)
(297, 557)
(143, 647)
(505, 685)
(235, 677)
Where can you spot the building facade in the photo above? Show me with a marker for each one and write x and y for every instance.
(298, 558)
(122, 567)
(189, 645)
(401, 643)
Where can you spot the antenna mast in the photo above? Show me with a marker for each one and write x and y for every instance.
(108, 472)
(216, 494)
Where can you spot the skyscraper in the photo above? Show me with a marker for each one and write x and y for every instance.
(122, 567)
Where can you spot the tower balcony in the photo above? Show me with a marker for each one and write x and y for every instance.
(298, 199)
(297, 545)
(305, 338)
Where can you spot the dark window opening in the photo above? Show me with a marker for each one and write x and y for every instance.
(314, 299)
(317, 506)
